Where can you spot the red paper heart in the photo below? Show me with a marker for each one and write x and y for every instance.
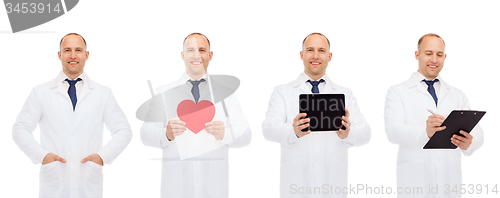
(196, 115)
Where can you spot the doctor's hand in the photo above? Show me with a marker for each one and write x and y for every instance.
(462, 142)
(175, 128)
(215, 128)
(299, 124)
(345, 121)
(433, 124)
(94, 158)
(51, 157)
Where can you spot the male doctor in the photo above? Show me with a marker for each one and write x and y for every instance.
(313, 164)
(205, 175)
(70, 111)
(408, 123)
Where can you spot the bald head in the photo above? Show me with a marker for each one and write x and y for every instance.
(75, 34)
(196, 33)
(429, 35)
(315, 33)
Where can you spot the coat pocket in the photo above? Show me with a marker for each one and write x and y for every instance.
(218, 179)
(51, 180)
(93, 179)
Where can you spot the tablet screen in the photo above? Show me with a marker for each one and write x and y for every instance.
(324, 110)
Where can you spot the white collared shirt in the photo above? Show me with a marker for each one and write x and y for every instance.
(79, 85)
(185, 78)
(304, 77)
(437, 85)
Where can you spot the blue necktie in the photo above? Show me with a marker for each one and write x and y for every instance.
(431, 90)
(72, 91)
(196, 90)
(315, 84)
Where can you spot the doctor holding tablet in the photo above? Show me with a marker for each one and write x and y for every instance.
(408, 123)
(311, 160)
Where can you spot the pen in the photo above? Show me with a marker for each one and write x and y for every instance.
(431, 111)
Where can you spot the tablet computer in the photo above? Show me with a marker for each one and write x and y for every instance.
(324, 110)
(457, 120)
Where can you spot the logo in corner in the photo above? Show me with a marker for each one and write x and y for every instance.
(25, 14)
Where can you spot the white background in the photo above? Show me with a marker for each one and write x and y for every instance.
(373, 45)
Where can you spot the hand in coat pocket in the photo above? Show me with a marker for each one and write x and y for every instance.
(51, 179)
(51, 157)
(93, 158)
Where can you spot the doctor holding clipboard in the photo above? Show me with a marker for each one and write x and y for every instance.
(409, 124)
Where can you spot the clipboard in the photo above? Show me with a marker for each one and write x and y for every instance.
(457, 120)
(324, 110)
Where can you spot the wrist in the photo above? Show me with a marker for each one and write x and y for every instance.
(170, 138)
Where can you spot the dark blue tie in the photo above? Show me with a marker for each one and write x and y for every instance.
(72, 91)
(196, 90)
(315, 84)
(431, 90)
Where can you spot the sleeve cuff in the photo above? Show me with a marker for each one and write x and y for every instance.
(470, 150)
(423, 139)
(226, 140)
(104, 157)
(348, 140)
(292, 138)
(162, 135)
(40, 156)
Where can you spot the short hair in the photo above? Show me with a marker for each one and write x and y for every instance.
(76, 34)
(429, 34)
(316, 33)
(196, 33)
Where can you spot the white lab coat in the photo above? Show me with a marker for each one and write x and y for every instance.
(205, 176)
(71, 135)
(405, 124)
(319, 158)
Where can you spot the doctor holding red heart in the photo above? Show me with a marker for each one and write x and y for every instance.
(199, 114)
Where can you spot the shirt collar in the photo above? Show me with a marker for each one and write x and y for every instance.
(62, 77)
(417, 78)
(304, 77)
(185, 77)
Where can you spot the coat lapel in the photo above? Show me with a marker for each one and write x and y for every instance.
(414, 82)
(445, 88)
(58, 86)
(329, 86)
(185, 86)
(186, 89)
(88, 86)
(302, 86)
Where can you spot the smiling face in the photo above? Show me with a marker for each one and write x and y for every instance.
(430, 56)
(196, 55)
(315, 55)
(73, 55)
